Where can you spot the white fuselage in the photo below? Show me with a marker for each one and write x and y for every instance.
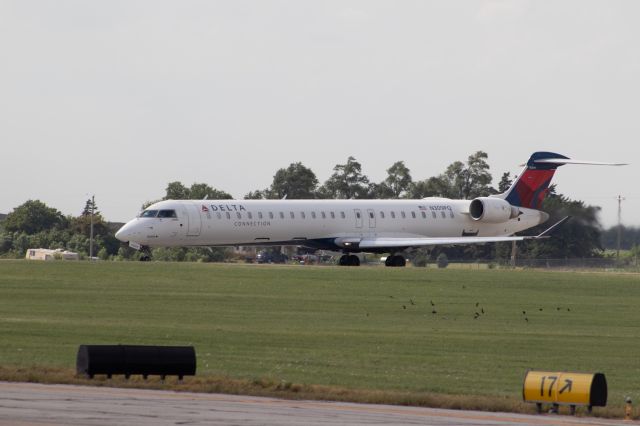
(314, 223)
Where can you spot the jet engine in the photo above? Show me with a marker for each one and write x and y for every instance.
(492, 210)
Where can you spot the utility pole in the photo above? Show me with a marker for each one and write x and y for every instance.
(93, 204)
(620, 199)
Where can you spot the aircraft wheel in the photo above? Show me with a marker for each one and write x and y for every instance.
(344, 260)
(354, 260)
(395, 260)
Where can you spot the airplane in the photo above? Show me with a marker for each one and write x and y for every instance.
(353, 226)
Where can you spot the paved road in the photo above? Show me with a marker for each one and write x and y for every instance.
(28, 404)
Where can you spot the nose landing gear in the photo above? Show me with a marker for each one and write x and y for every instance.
(145, 254)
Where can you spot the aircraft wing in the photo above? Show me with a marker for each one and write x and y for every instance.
(369, 243)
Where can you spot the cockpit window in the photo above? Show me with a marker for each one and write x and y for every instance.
(149, 213)
(167, 213)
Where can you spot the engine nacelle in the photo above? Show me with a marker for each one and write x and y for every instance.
(492, 210)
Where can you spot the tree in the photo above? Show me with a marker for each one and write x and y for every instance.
(577, 238)
(33, 216)
(198, 191)
(460, 180)
(90, 207)
(505, 182)
(347, 181)
(256, 195)
(432, 187)
(398, 179)
(294, 182)
(176, 191)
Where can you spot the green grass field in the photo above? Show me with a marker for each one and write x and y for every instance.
(363, 328)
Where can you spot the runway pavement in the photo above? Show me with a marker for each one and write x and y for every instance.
(29, 404)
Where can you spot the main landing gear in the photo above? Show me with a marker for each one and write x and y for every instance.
(395, 260)
(349, 260)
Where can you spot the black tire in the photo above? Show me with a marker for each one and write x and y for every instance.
(354, 260)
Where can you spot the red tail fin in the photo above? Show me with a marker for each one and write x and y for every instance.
(532, 185)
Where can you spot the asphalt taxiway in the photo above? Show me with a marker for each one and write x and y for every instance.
(30, 404)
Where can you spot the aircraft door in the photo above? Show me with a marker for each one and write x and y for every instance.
(372, 218)
(195, 221)
(358, 214)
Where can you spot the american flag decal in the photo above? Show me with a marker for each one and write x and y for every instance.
(205, 209)
(422, 207)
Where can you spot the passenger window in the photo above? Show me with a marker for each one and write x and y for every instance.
(249, 215)
(259, 215)
(228, 215)
(324, 216)
(270, 215)
(292, 214)
(371, 215)
(451, 214)
(302, 215)
(413, 215)
(333, 216)
(443, 214)
(404, 216)
(381, 215)
(219, 215)
(393, 215)
(342, 215)
(281, 215)
(313, 215)
(424, 215)
(358, 215)
(238, 215)
(149, 213)
(434, 215)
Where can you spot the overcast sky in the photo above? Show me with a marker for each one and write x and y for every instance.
(118, 98)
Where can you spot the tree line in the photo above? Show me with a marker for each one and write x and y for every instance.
(35, 225)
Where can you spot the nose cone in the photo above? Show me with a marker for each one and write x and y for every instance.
(126, 233)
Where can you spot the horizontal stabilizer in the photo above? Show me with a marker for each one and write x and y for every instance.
(561, 161)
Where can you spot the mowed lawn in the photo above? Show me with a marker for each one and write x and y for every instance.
(367, 327)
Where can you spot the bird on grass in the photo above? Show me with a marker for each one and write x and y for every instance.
(526, 319)
(482, 310)
(404, 307)
(411, 301)
(434, 312)
(432, 304)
